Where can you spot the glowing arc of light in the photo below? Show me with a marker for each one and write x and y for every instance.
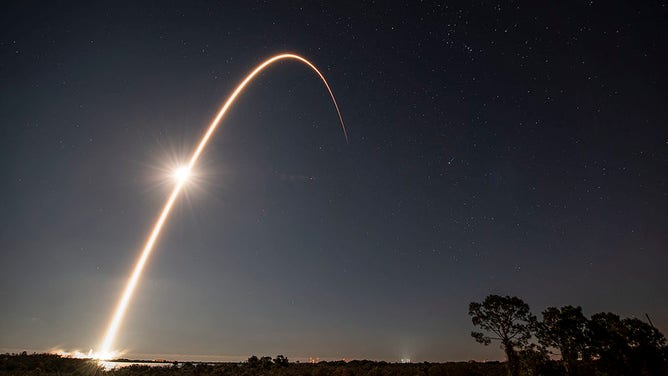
(121, 307)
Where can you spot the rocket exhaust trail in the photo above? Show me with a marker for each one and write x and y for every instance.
(105, 350)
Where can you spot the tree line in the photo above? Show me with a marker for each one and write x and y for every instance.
(603, 344)
(563, 342)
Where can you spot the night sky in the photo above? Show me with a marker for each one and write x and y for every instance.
(495, 148)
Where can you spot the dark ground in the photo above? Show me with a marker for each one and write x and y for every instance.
(47, 364)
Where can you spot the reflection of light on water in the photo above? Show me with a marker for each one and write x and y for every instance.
(76, 354)
(89, 355)
(108, 366)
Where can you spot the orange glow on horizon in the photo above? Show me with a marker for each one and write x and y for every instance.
(105, 349)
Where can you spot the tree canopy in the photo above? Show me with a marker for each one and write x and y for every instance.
(506, 319)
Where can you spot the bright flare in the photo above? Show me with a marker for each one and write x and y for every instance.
(181, 176)
(83, 355)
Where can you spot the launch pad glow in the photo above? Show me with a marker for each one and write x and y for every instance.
(181, 177)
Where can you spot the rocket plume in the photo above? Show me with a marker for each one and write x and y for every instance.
(105, 349)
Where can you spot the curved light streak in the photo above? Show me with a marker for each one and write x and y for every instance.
(105, 347)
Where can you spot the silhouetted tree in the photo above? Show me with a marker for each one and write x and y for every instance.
(266, 362)
(564, 329)
(628, 346)
(509, 321)
(253, 362)
(281, 361)
(607, 343)
(647, 346)
(532, 359)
